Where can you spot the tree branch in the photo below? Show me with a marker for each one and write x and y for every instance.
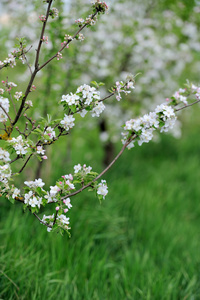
(105, 170)
(67, 43)
(187, 105)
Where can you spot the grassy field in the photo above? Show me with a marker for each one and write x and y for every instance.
(143, 242)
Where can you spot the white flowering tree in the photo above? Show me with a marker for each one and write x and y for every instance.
(23, 138)
(160, 41)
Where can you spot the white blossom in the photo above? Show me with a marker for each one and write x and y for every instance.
(63, 219)
(5, 173)
(54, 190)
(67, 203)
(102, 188)
(34, 184)
(16, 192)
(18, 95)
(68, 122)
(77, 168)
(40, 150)
(98, 109)
(4, 155)
(19, 145)
(4, 102)
(49, 134)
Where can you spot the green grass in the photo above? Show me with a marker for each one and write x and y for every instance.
(142, 243)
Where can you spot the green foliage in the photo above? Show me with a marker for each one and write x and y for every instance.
(142, 243)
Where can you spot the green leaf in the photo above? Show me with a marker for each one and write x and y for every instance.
(39, 191)
(11, 200)
(94, 83)
(73, 108)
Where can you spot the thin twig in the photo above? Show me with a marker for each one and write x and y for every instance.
(6, 113)
(105, 170)
(55, 218)
(67, 43)
(41, 36)
(24, 164)
(18, 157)
(41, 221)
(187, 105)
(35, 70)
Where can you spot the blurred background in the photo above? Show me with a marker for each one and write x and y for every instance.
(143, 241)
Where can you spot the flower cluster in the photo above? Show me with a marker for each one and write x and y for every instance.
(196, 91)
(100, 6)
(4, 155)
(83, 169)
(9, 85)
(34, 194)
(178, 96)
(54, 12)
(21, 147)
(62, 220)
(42, 18)
(18, 53)
(85, 99)
(80, 21)
(49, 134)
(34, 184)
(45, 39)
(67, 122)
(18, 95)
(84, 175)
(5, 171)
(181, 96)
(15, 193)
(123, 87)
(89, 21)
(40, 150)
(4, 109)
(80, 37)
(68, 37)
(29, 103)
(9, 61)
(32, 200)
(58, 56)
(142, 128)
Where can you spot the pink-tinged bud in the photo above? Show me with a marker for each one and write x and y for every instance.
(42, 18)
(65, 210)
(70, 177)
(57, 208)
(3, 81)
(60, 182)
(167, 99)
(44, 157)
(64, 201)
(63, 176)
